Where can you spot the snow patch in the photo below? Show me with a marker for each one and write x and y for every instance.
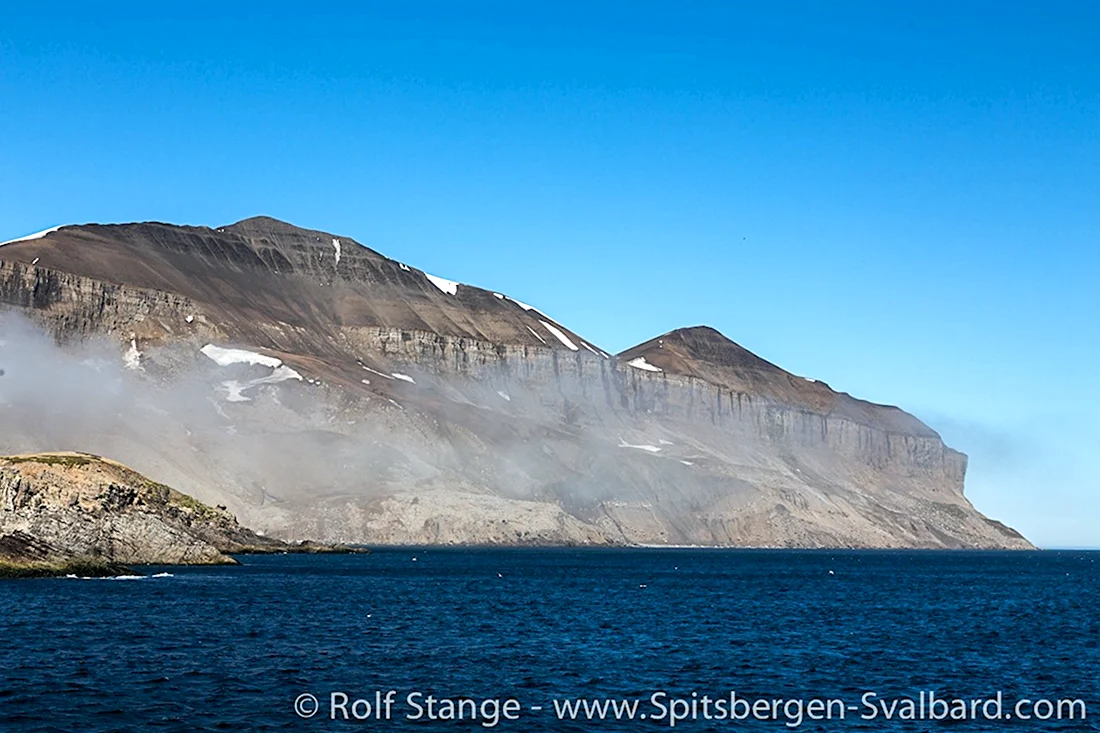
(450, 287)
(641, 363)
(365, 381)
(647, 448)
(36, 235)
(529, 308)
(235, 389)
(226, 357)
(498, 296)
(404, 377)
(132, 358)
(687, 463)
(597, 352)
(662, 441)
(552, 329)
(560, 336)
(233, 392)
(336, 246)
(404, 267)
(535, 334)
(526, 307)
(190, 319)
(375, 371)
(504, 395)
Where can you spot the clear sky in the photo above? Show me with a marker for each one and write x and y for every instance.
(901, 201)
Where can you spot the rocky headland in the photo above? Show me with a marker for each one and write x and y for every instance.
(75, 513)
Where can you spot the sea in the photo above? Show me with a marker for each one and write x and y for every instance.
(562, 640)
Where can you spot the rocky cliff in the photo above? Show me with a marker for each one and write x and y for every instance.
(74, 511)
(341, 395)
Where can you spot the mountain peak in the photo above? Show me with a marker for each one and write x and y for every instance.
(262, 270)
(705, 353)
(697, 348)
(260, 225)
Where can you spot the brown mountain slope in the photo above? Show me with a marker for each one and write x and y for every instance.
(367, 401)
(264, 270)
(705, 354)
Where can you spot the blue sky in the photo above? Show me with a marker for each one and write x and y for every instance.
(903, 202)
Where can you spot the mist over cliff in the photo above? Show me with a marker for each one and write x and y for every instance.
(87, 395)
(321, 390)
(183, 415)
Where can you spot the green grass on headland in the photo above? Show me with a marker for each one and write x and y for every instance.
(55, 459)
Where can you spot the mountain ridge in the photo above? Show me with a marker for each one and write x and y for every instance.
(749, 453)
(700, 351)
(258, 230)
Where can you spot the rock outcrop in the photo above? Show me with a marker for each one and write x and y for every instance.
(74, 512)
(25, 556)
(353, 398)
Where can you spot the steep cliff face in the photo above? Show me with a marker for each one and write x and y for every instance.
(457, 415)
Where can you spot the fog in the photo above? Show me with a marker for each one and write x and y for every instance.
(305, 459)
(168, 414)
(171, 414)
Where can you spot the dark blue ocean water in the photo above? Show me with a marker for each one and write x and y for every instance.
(233, 648)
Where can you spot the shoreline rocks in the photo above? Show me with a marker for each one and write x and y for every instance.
(81, 514)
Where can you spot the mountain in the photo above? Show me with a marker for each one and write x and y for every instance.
(322, 390)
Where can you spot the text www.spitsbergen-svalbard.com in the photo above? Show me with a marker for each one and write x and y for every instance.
(665, 709)
(661, 707)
